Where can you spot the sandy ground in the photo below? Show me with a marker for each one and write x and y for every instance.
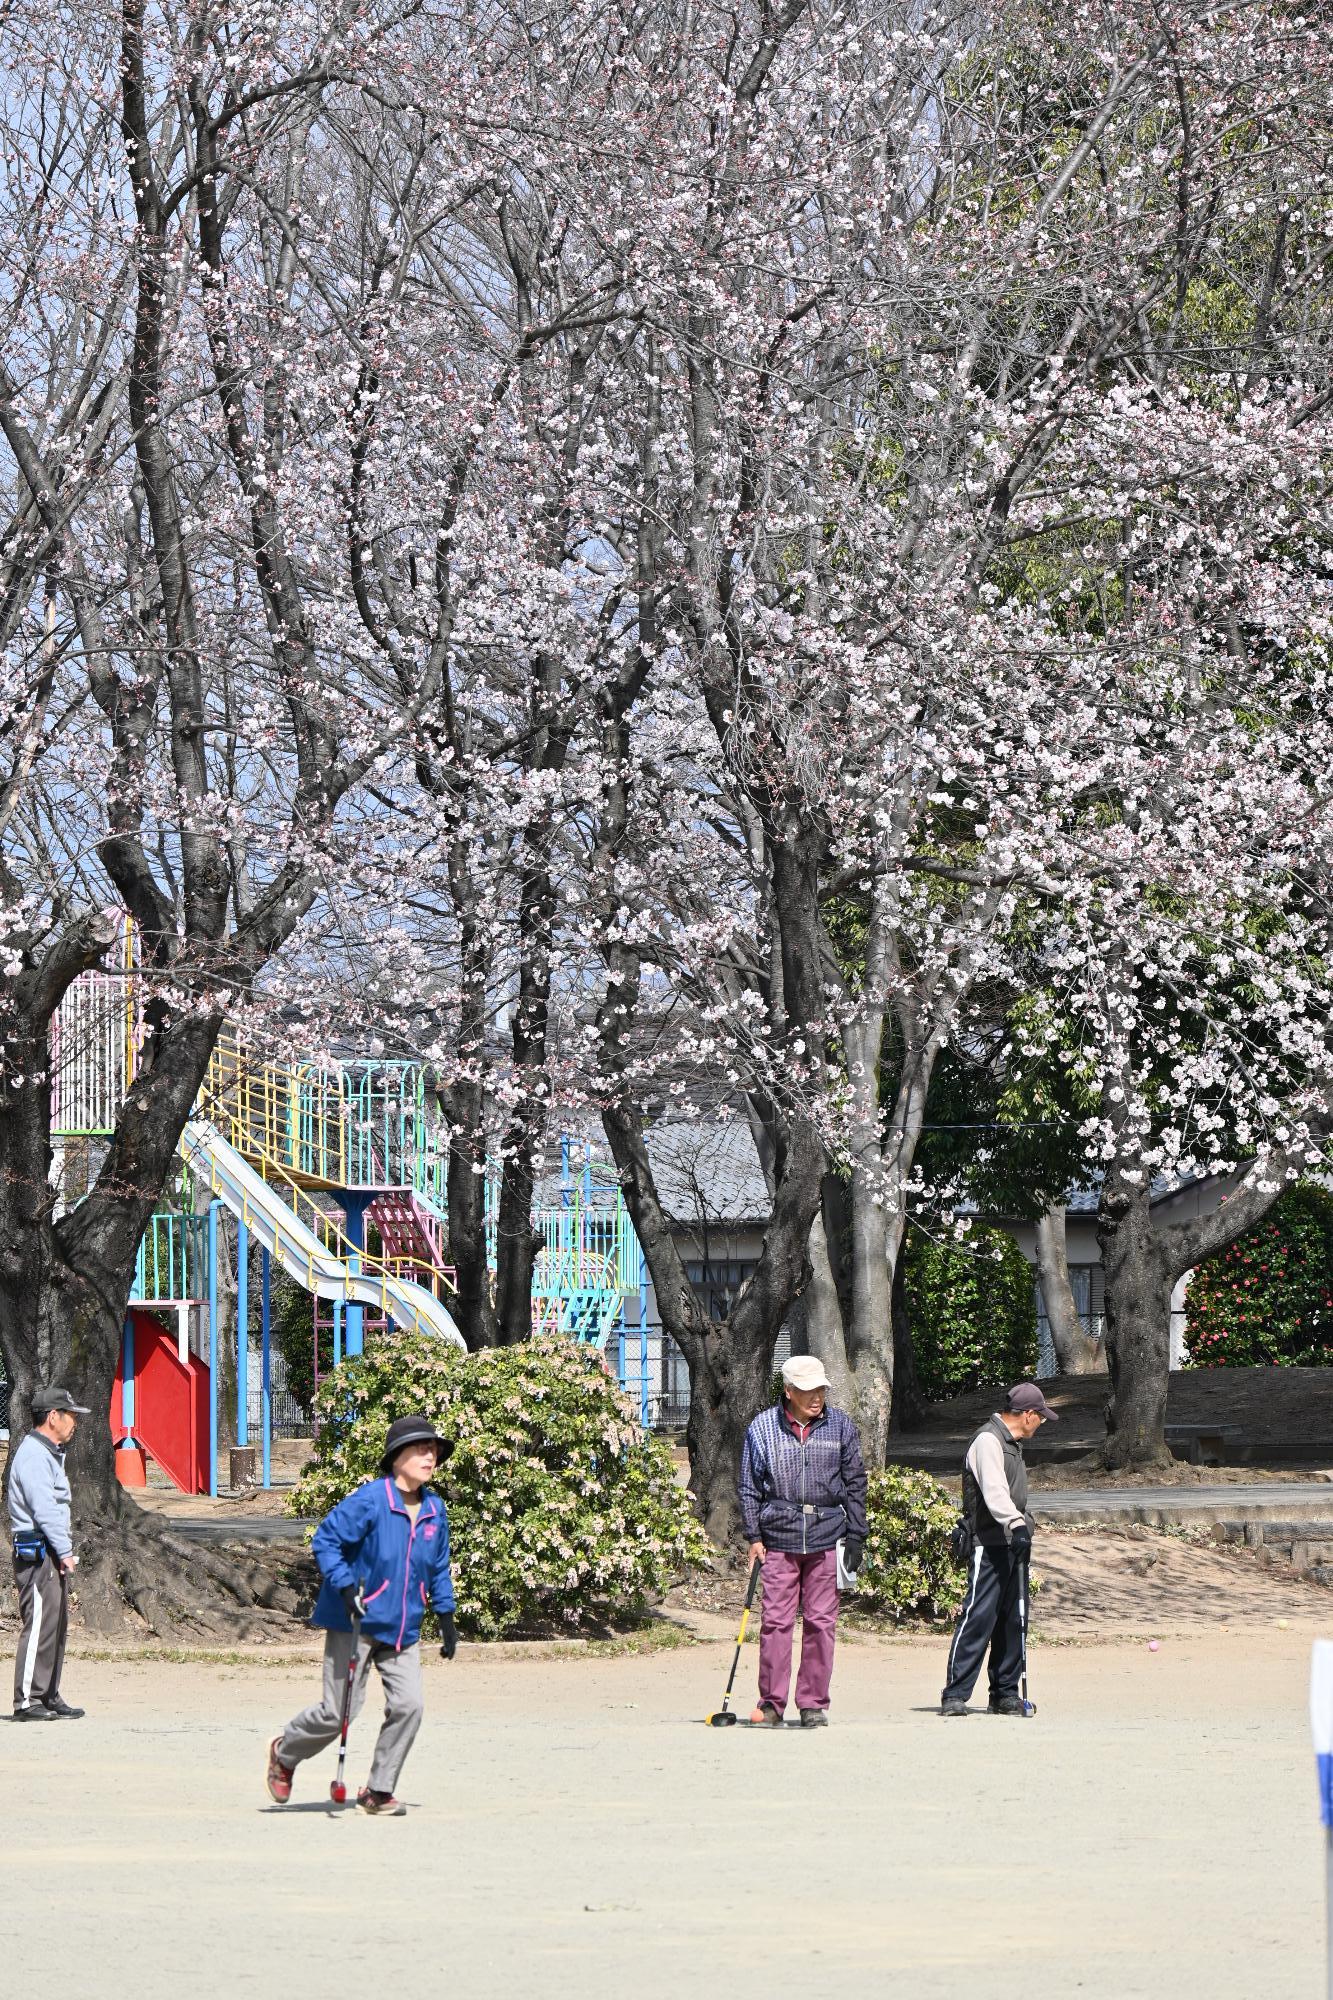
(575, 1831)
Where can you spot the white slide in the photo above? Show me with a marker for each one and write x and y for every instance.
(299, 1250)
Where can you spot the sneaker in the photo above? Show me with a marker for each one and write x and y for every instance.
(380, 1802)
(1006, 1704)
(767, 1715)
(279, 1775)
(814, 1718)
(951, 1705)
(57, 1706)
(36, 1711)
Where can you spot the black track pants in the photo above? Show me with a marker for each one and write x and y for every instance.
(992, 1615)
(44, 1611)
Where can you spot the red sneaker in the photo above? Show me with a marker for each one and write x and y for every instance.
(279, 1775)
(380, 1802)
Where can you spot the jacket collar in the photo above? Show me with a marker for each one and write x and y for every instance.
(788, 1423)
(1005, 1435)
(430, 1499)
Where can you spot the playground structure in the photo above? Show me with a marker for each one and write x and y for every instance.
(336, 1171)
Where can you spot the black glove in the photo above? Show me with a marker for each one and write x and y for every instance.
(354, 1602)
(448, 1635)
(852, 1551)
(1020, 1541)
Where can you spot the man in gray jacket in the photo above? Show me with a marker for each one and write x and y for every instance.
(995, 1506)
(44, 1558)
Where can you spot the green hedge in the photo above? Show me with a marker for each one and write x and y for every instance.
(973, 1312)
(560, 1509)
(1268, 1297)
(907, 1571)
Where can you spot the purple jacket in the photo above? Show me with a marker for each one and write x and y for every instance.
(801, 1498)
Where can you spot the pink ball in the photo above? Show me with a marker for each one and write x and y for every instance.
(1152, 1645)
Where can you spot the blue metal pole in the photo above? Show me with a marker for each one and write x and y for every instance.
(265, 1367)
(242, 1332)
(643, 1345)
(337, 1331)
(127, 1381)
(213, 1350)
(354, 1207)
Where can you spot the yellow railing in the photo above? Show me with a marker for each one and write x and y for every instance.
(258, 1107)
(317, 1220)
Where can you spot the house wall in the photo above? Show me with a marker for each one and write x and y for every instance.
(668, 1381)
(1083, 1250)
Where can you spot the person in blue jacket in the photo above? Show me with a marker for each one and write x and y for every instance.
(383, 1556)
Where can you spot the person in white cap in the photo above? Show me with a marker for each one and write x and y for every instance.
(802, 1491)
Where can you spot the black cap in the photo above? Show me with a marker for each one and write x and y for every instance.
(46, 1400)
(410, 1430)
(1027, 1396)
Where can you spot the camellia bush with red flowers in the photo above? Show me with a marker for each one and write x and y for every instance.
(1268, 1297)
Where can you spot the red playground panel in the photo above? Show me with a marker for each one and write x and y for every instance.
(170, 1404)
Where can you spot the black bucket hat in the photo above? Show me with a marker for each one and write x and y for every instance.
(411, 1430)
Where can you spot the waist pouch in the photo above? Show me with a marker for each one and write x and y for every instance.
(29, 1548)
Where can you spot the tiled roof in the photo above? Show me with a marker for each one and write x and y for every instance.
(708, 1172)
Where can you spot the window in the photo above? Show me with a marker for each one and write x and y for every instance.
(717, 1282)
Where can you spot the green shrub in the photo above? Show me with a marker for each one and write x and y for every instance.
(1268, 1297)
(560, 1509)
(973, 1312)
(907, 1570)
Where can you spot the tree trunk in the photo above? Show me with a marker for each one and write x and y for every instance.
(730, 1381)
(909, 1405)
(1138, 1332)
(474, 1307)
(822, 1314)
(516, 1243)
(1076, 1353)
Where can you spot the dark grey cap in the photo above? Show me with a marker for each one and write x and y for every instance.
(46, 1400)
(411, 1430)
(1027, 1396)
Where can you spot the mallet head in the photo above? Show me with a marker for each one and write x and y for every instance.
(724, 1719)
(338, 1793)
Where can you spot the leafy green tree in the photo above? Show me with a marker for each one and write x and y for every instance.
(973, 1311)
(1268, 1297)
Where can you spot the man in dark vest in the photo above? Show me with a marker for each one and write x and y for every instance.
(995, 1506)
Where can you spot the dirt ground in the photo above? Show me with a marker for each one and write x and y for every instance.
(575, 1831)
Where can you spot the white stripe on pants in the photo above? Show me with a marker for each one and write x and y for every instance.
(321, 1724)
(44, 1610)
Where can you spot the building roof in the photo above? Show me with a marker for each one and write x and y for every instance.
(708, 1172)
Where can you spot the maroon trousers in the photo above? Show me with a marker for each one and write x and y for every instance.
(808, 1584)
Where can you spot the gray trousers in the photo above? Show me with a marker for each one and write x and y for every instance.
(44, 1613)
(316, 1727)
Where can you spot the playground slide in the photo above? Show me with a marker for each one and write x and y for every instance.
(302, 1252)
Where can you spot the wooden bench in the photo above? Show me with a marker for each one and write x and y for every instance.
(1203, 1444)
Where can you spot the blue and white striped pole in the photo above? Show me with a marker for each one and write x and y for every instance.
(1321, 1726)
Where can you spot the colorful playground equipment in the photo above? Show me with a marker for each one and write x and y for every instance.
(337, 1171)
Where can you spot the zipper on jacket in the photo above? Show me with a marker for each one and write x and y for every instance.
(805, 1518)
(407, 1574)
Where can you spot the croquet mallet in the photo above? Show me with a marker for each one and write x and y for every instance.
(723, 1717)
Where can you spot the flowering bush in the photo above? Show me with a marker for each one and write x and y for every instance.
(973, 1312)
(1268, 1297)
(559, 1507)
(907, 1570)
